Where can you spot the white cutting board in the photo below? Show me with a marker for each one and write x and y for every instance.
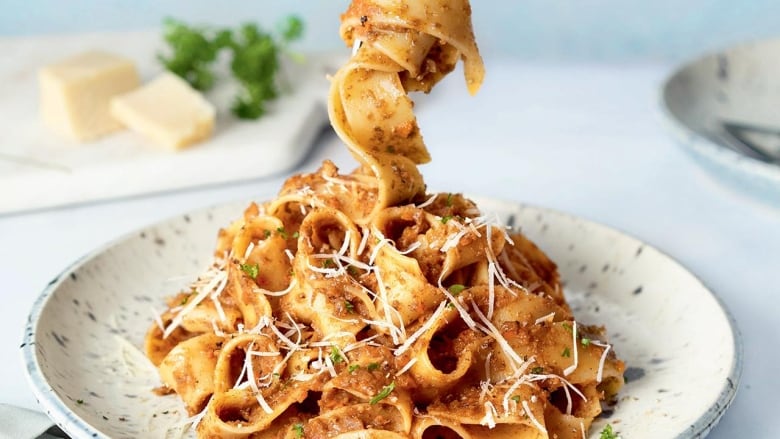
(38, 169)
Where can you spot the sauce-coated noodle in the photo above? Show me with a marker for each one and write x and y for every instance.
(358, 306)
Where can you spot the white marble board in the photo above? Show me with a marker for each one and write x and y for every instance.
(38, 169)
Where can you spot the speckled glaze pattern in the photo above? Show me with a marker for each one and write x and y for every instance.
(82, 344)
(738, 84)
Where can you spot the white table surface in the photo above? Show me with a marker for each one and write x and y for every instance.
(587, 139)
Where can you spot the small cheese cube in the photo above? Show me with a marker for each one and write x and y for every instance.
(166, 110)
(76, 93)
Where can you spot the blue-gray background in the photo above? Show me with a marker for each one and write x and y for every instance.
(599, 30)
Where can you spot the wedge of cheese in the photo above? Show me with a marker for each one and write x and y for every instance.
(75, 93)
(166, 110)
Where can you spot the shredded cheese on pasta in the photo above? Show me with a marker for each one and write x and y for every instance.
(357, 304)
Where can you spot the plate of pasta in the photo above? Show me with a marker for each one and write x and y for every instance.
(361, 305)
(84, 348)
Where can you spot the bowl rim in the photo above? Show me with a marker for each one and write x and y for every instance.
(697, 143)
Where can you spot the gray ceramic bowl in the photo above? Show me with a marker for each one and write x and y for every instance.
(724, 109)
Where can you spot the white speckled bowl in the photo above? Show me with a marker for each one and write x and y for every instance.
(739, 84)
(681, 347)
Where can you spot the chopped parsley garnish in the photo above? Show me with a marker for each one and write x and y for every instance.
(456, 289)
(372, 366)
(607, 433)
(350, 307)
(353, 367)
(384, 393)
(450, 305)
(352, 271)
(567, 326)
(281, 232)
(185, 299)
(296, 235)
(327, 263)
(251, 270)
(335, 355)
(449, 200)
(537, 370)
(79, 401)
(585, 341)
(516, 398)
(298, 428)
(566, 353)
(276, 375)
(267, 233)
(445, 219)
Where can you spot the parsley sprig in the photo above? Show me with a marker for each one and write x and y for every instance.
(255, 59)
(193, 50)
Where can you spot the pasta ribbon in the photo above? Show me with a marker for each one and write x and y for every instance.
(356, 305)
(177, 368)
(401, 47)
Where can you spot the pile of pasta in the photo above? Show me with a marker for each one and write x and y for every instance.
(358, 306)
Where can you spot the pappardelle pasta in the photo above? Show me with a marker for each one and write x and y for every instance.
(358, 306)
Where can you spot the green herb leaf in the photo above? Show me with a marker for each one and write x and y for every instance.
(449, 200)
(585, 341)
(567, 326)
(252, 270)
(516, 398)
(327, 263)
(352, 270)
(384, 393)
(456, 289)
(281, 232)
(79, 401)
(298, 428)
(566, 352)
(335, 355)
(291, 28)
(267, 233)
(255, 59)
(607, 433)
(445, 219)
(296, 235)
(350, 307)
(192, 51)
(372, 367)
(538, 370)
(353, 367)
(255, 64)
(185, 299)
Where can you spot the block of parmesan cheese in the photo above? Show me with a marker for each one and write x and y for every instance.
(75, 93)
(166, 110)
